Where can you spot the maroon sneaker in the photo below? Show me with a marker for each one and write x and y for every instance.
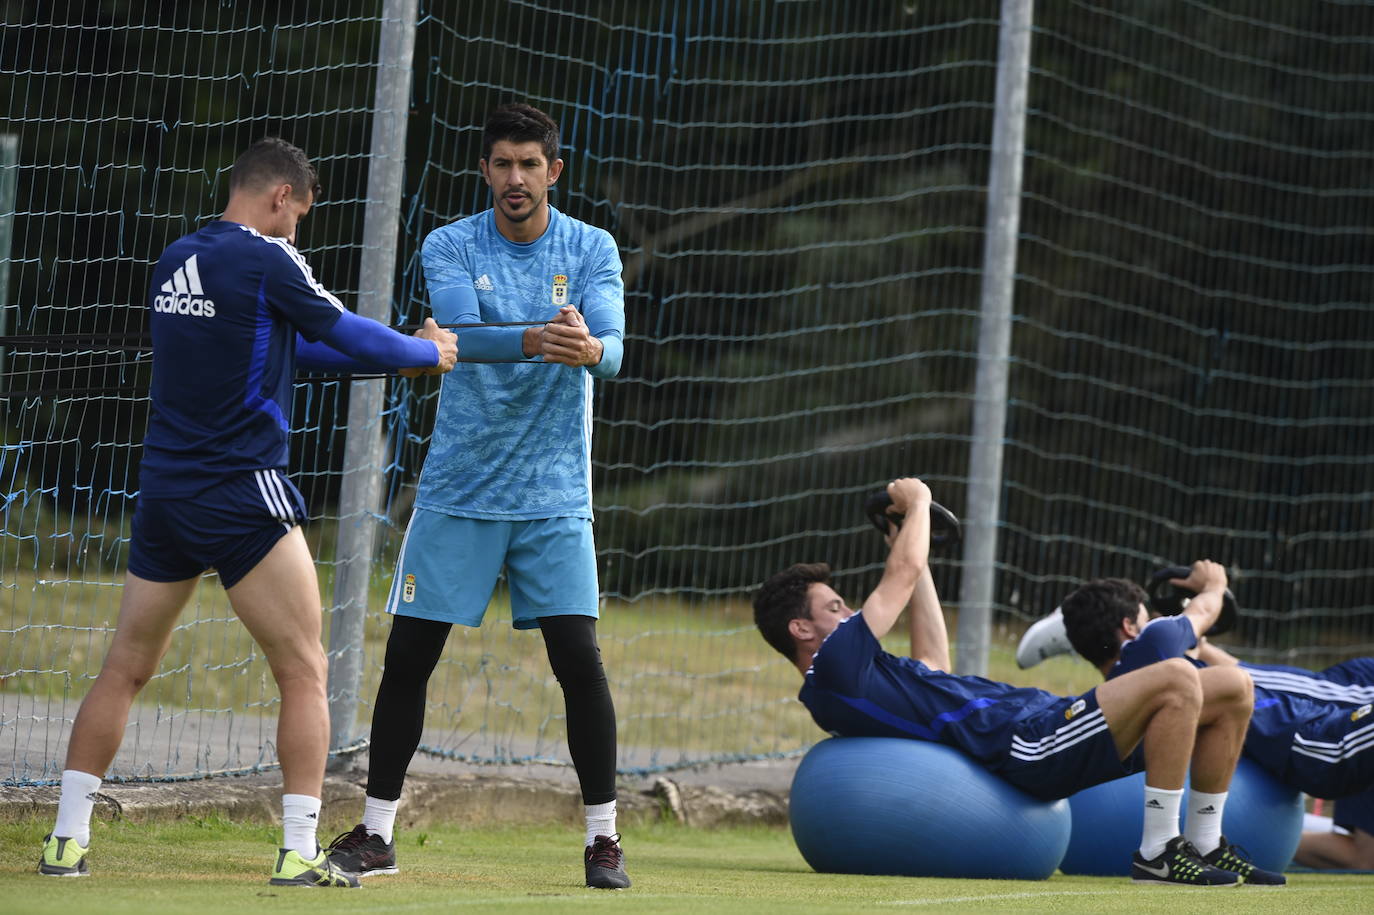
(362, 853)
(606, 864)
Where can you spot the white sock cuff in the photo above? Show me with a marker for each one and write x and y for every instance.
(84, 782)
(1171, 792)
(379, 816)
(1199, 799)
(299, 804)
(377, 803)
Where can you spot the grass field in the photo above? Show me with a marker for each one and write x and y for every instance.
(690, 680)
(210, 867)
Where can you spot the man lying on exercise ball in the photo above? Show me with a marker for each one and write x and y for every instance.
(1172, 714)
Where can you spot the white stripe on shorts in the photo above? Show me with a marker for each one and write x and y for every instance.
(1350, 745)
(1062, 739)
(288, 510)
(1312, 687)
(270, 497)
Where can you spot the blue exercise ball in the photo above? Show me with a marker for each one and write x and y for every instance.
(885, 805)
(1263, 816)
(1107, 822)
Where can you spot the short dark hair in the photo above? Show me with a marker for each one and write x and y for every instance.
(783, 599)
(271, 161)
(520, 123)
(1094, 612)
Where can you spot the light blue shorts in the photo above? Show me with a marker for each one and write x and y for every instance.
(448, 569)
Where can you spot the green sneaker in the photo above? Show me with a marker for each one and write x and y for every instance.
(1181, 865)
(293, 870)
(1235, 859)
(62, 857)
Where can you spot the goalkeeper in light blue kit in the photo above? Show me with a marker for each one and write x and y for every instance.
(507, 481)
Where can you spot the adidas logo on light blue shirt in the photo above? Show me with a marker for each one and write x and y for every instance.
(483, 284)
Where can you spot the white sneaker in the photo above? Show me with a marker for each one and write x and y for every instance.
(1044, 639)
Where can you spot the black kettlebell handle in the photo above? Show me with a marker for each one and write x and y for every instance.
(1167, 598)
(944, 526)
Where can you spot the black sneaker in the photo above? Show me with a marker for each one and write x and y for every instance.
(1180, 865)
(1235, 859)
(363, 853)
(606, 864)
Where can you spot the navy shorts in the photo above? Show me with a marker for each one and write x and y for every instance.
(1354, 672)
(1064, 749)
(1333, 756)
(1356, 811)
(229, 527)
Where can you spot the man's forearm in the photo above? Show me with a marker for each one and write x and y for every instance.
(929, 636)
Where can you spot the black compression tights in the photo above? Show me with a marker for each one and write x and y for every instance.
(576, 662)
(398, 717)
(412, 651)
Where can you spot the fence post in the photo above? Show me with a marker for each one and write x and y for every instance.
(9, 179)
(360, 489)
(994, 339)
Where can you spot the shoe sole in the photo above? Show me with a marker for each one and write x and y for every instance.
(283, 881)
(64, 873)
(378, 872)
(1186, 886)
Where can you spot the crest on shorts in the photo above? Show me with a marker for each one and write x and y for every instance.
(1074, 709)
(1360, 712)
(408, 590)
(560, 289)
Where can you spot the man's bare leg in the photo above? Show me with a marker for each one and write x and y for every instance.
(279, 603)
(1331, 850)
(148, 611)
(1158, 705)
(1228, 698)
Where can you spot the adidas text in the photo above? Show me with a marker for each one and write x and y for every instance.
(183, 294)
(182, 303)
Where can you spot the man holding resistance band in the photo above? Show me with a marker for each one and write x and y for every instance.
(234, 309)
(507, 481)
(1181, 719)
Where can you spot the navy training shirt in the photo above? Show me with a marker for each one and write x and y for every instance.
(1277, 717)
(226, 304)
(855, 689)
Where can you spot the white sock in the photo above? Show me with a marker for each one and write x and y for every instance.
(379, 817)
(1161, 820)
(300, 817)
(74, 806)
(600, 820)
(1203, 827)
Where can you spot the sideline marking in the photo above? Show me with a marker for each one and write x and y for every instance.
(995, 897)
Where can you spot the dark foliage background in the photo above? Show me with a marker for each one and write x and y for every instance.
(798, 192)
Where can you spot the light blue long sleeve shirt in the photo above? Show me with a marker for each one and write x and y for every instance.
(513, 441)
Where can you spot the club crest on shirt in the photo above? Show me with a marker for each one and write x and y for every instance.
(560, 289)
(1360, 712)
(408, 591)
(1074, 709)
